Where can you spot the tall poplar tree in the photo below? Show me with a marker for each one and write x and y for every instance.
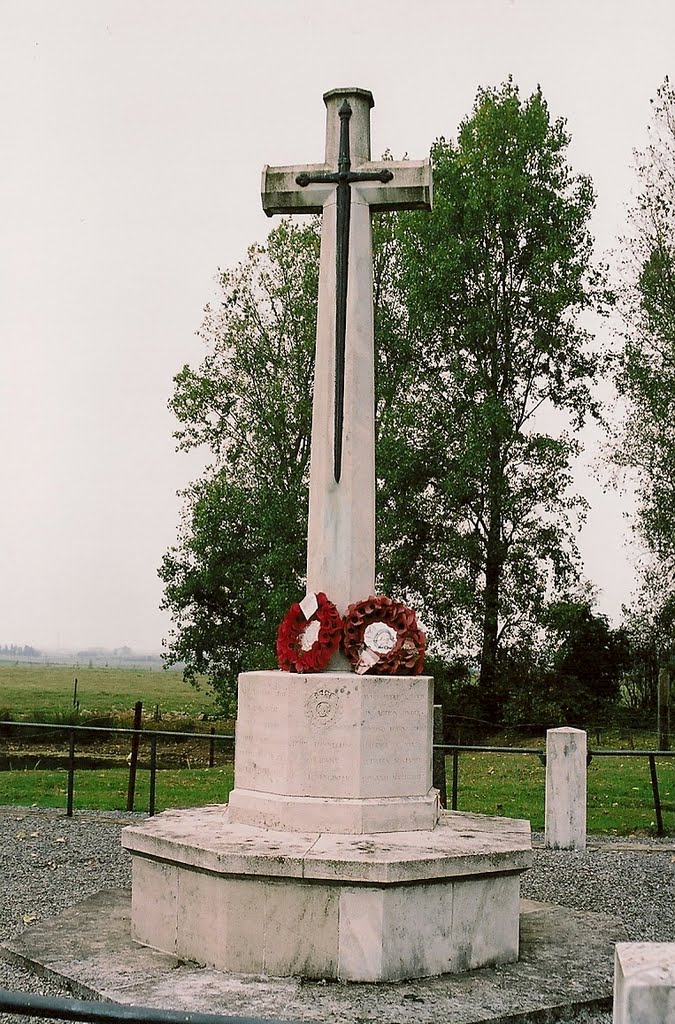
(493, 284)
(646, 371)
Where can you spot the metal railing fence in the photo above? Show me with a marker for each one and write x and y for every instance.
(455, 750)
(440, 751)
(29, 1005)
(135, 735)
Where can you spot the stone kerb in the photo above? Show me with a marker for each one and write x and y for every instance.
(644, 983)
(334, 751)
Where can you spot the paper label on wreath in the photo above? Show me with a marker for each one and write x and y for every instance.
(310, 635)
(379, 637)
(366, 661)
(308, 606)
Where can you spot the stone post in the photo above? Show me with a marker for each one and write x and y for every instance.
(644, 983)
(566, 789)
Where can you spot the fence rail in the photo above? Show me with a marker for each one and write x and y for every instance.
(29, 1005)
(135, 735)
(440, 751)
(455, 750)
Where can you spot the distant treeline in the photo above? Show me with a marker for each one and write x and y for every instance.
(90, 657)
(18, 651)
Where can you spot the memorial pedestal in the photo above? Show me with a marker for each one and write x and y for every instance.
(331, 860)
(383, 907)
(335, 752)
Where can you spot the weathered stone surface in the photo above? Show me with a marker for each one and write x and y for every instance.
(644, 983)
(566, 789)
(334, 752)
(566, 962)
(341, 531)
(381, 907)
(461, 845)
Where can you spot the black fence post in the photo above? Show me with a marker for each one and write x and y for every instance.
(438, 772)
(212, 747)
(133, 759)
(657, 798)
(455, 778)
(71, 775)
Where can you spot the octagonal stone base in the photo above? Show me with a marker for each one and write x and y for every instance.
(334, 752)
(356, 908)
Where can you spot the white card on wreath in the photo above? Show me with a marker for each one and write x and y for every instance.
(309, 605)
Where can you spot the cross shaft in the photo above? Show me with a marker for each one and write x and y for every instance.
(343, 178)
(341, 533)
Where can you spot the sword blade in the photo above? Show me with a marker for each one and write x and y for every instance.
(341, 278)
(343, 202)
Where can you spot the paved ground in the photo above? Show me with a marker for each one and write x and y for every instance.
(48, 864)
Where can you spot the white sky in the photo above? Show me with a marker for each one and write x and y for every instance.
(133, 134)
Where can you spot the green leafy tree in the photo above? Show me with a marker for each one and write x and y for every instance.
(646, 371)
(493, 284)
(587, 662)
(575, 675)
(640, 680)
(239, 559)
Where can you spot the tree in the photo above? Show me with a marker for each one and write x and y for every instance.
(239, 559)
(575, 675)
(646, 370)
(492, 285)
(475, 332)
(586, 662)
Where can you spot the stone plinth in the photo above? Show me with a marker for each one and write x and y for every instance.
(644, 983)
(334, 752)
(353, 907)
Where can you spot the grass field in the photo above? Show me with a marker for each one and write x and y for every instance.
(619, 790)
(45, 692)
(107, 790)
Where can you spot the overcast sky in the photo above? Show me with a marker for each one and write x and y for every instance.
(133, 134)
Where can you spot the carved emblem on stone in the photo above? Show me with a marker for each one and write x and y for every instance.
(323, 707)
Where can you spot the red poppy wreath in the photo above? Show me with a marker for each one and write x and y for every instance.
(382, 636)
(309, 635)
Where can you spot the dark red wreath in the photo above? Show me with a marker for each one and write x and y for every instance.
(296, 629)
(378, 623)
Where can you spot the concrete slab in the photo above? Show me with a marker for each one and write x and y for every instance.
(566, 964)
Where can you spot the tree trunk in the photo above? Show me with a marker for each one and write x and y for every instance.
(494, 561)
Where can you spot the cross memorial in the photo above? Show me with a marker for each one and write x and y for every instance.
(331, 858)
(341, 532)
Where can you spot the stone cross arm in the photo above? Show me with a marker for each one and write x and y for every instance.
(409, 189)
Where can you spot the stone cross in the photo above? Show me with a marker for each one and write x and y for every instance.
(341, 534)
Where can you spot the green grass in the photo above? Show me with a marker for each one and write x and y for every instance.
(619, 790)
(45, 692)
(107, 790)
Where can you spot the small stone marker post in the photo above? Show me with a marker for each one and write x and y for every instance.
(341, 532)
(644, 983)
(566, 789)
